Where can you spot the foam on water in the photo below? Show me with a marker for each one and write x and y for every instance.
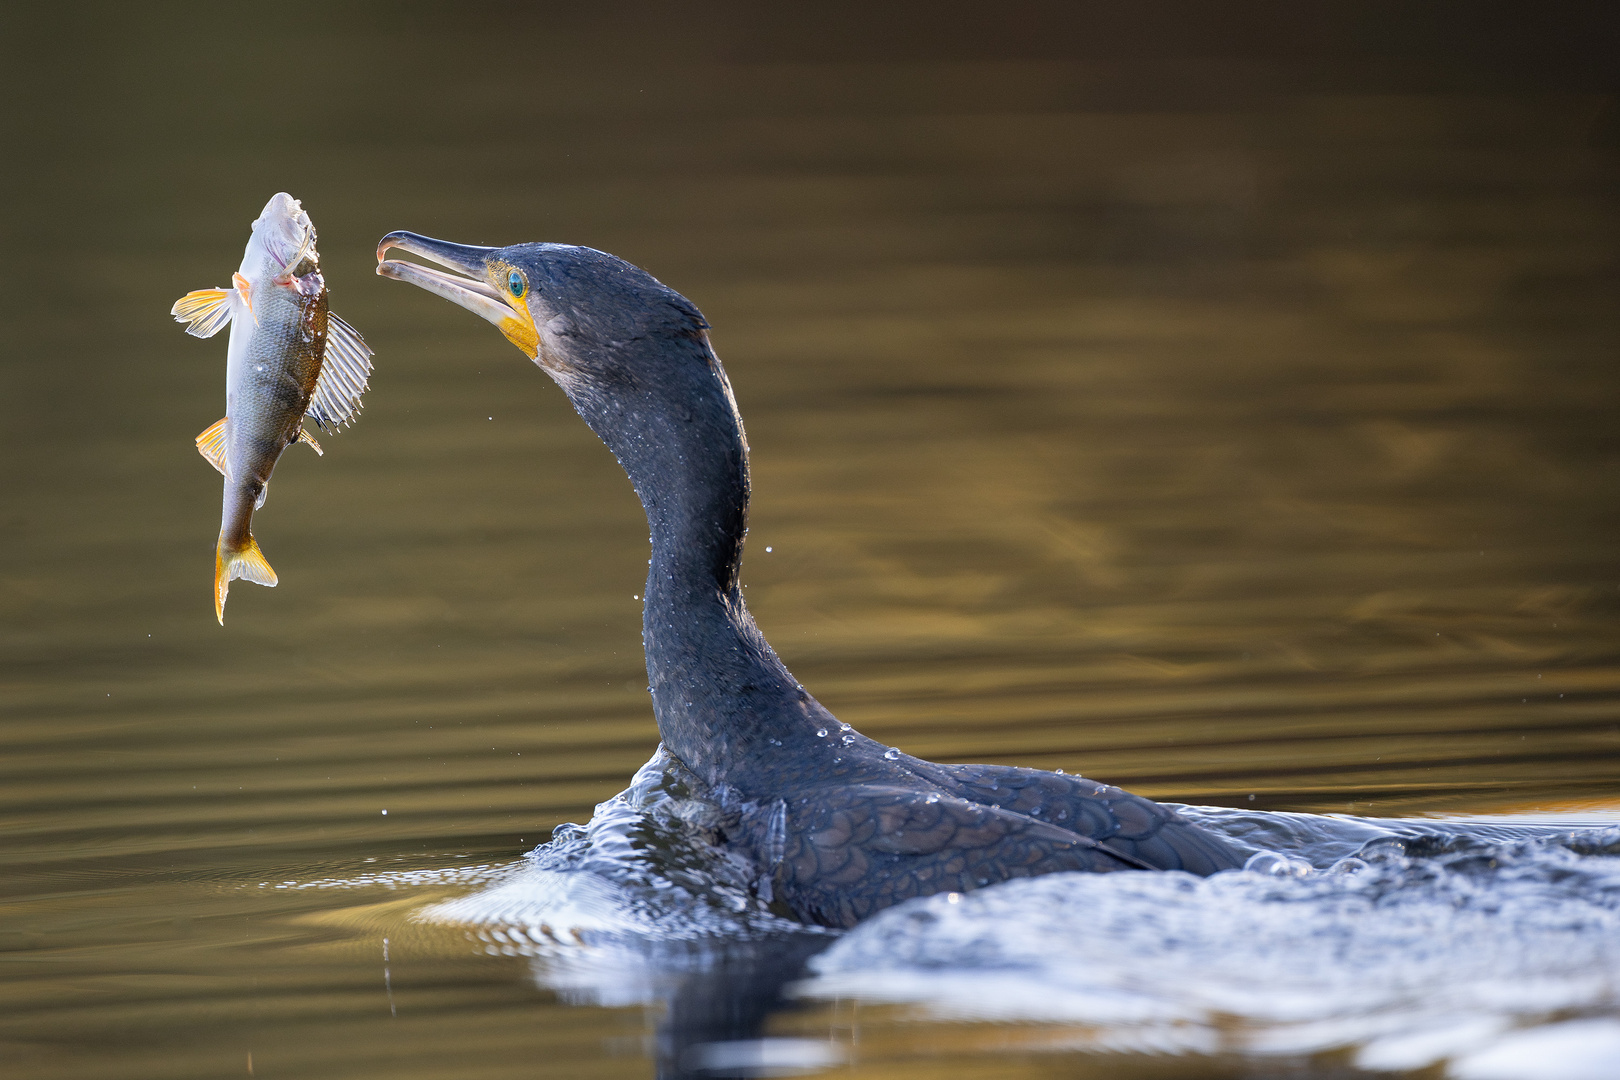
(1412, 951)
(1408, 943)
(647, 870)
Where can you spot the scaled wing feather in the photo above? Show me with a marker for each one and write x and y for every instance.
(345, 372)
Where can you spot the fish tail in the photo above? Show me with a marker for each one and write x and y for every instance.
(247, 562)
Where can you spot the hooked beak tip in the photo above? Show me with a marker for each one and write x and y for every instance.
(389, 241)
(470, 291)
(463, 258)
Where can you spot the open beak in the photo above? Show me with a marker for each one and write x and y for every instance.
(471, 291)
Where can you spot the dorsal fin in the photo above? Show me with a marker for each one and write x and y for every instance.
(345, 372)
(206, 310)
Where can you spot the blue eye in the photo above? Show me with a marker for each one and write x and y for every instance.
(514, 281)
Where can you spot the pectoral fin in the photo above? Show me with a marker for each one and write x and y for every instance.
(345, 371)
(244, 289)
(306, 437)
(206, 310)
(211, 444)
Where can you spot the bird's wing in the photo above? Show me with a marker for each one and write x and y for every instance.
(851, 851)
(1129, 824)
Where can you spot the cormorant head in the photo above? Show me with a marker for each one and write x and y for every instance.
(577, 312)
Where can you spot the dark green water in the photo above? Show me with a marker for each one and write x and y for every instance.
(1226, 411)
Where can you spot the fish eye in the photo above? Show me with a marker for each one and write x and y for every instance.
(515, 282)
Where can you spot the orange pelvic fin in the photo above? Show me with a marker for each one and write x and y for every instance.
(211, 444)
(247, 563)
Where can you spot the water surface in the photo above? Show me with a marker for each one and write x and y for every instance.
(1232, 424)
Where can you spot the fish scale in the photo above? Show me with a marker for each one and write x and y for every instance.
(288, 357)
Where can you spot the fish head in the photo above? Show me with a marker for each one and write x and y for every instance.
(569, 308)
(283, 239)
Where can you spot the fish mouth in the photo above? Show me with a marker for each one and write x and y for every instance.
(285, 230)
(468, 287)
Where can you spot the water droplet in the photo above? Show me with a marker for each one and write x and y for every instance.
(891, 754)
(847, 739)
(1058, 771)
(933, 797)
(843, 726)
(821, 733)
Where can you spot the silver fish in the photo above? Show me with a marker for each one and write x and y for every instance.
(288, 357)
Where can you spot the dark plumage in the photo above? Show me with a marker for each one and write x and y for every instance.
(838, 826)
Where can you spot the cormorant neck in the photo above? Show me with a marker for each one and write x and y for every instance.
(720, 694)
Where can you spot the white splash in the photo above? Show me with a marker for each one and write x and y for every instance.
(1456, 954)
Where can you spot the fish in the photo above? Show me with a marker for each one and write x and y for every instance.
(289, 357)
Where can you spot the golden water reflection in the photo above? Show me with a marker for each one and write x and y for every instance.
(1240, 446)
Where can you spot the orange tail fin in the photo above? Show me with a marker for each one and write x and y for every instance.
(248, 562)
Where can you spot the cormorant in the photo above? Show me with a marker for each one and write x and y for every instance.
(839, 826)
